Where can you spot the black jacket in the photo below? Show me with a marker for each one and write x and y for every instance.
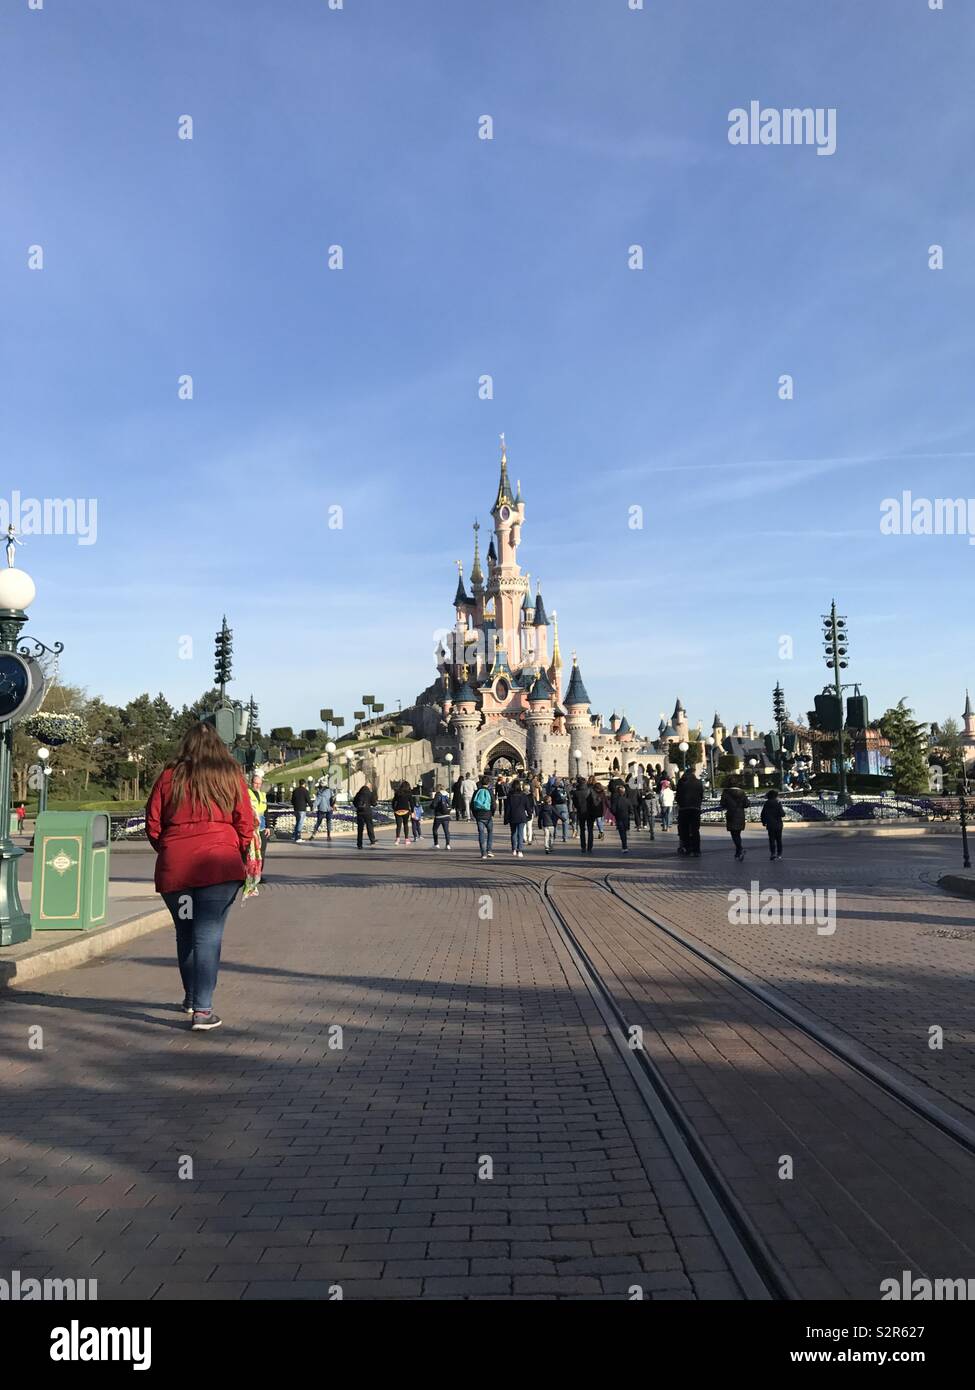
(733, 803)
(620, 807)
(773, 814)
(690, 793)
(300, 800)
(364, 799)
(519, 808)
(582, 801)
(403, 800)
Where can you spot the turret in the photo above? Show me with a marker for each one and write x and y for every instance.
(465, 718)
(538, 720)
(578, 723)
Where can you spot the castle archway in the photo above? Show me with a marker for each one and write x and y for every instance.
(502, 757)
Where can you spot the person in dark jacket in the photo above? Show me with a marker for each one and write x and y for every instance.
(300, 801)
(403, 804)
(483, 806)
(200, 821)
(585, 809)
(518, 811)
(457, 798)
(548, 819)
(773, 816)
(734, 803)
(636, 801)
(363, 802)
(689, 798)
(620, 807)
(560, 800)
(440, 810)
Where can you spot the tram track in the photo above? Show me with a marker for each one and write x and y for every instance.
(761, 1272)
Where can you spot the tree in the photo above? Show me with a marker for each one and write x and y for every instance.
(949, 750)
(908, 748)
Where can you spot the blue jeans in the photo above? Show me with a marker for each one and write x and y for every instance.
(485, 833)
(199, 916)
(518, 837)
(299, 825)
(563, 814)
(441, 823)
(665, 816)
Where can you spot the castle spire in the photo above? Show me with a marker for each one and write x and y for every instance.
(477, 576)
(504, 486)
(555, 670)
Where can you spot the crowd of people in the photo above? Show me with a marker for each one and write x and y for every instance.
(559, 808)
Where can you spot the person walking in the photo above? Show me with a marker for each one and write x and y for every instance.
(560, 802)
(582, 800)
(651, 805)
(635, 799)
(300, 801)
(689, 798)
(258, 798)
(363, 802)
(734, 803)
(200, 820)
(324, 798)
(548, 819)
(457, 798)
(440, 810)
(518, 810)
(667, 798)
(600, 804)
(773, 816)
(483, 807)
(416, 816)
(620, 805)
(467, 789)
(403, 811)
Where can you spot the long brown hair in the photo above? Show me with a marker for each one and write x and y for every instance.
(204, 771)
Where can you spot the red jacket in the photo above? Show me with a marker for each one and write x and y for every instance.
(194, 849)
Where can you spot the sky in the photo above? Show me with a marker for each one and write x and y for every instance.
(359, 388)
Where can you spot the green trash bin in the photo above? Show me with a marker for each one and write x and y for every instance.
(70, 891)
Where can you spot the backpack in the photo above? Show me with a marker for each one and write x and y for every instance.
(482, 799)
(558, 797)
(441, 806)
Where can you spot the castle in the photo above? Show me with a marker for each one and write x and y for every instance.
(501, 696)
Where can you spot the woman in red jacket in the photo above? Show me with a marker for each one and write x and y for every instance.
(200, 820)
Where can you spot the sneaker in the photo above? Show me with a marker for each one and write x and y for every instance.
(202, 1023)
(446, 847)
(483, 857)
(520, 855)
(490, 854)
(186, 1006)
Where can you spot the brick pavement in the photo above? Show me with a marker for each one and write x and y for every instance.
(874, 1190)
(314, 1167)
(900, 961)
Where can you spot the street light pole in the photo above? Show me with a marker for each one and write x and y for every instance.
(43, 754)
(967, 859)
(836, 651)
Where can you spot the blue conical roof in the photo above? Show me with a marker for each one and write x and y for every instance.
(577, 694)
(624, 726)
(464, 692)
(541, 690)
(541, 617)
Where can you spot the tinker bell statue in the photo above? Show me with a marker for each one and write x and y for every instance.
(12, 543)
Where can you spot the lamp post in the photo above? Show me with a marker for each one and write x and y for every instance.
(835, 638)
(17, 592)
(753, 763)
(577, 754)
(683, 746)
(711, 741)
(961, 788)
(329, 749)
(43, 754)
(448, 759)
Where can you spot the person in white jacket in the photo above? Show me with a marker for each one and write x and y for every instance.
(467, 789)
(667, 795)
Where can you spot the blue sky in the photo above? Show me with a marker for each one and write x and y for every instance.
(616, 388)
